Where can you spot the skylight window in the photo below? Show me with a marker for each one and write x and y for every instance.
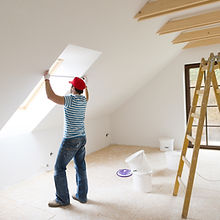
(73, 61)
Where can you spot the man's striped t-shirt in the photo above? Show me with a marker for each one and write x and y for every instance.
(74, 115)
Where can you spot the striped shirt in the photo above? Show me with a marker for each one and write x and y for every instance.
(74, 116)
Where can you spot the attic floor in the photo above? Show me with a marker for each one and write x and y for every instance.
(113, 198)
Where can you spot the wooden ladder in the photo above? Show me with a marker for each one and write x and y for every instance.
(208, 66)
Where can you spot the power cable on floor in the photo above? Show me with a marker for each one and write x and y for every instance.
(209, 180)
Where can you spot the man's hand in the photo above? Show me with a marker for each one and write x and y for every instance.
(85, 79)
(46, 75)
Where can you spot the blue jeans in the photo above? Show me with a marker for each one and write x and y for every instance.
(71, 148)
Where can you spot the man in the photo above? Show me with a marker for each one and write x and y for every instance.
(73, 144)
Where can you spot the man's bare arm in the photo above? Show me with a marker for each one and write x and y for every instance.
(50, 93)
(87, 94)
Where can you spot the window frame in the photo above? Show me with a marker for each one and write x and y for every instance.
(187, 68)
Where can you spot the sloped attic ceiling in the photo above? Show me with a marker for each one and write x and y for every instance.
(34, 33)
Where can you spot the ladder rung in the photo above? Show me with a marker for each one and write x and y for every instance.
(206, 67)
(182, 183)
(194, 115)
(200, 92)
(190, 139)
(186, 161)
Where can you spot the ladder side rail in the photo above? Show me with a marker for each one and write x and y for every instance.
(198, 136)
(218, 60)
(215, 82)
(189, 126)
(215, 87)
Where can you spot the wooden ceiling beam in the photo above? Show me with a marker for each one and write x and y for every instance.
(204, 42)
(197, 35)
(161, 7)
(190, 22)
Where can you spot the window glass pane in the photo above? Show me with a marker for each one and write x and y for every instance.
(192, 90)
(193, 73)
(212, 99)
(196, 120)
(217, 73)
(213, 116)
(214, 136)
(203, 139)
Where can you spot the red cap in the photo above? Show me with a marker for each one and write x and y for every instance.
(78, 83)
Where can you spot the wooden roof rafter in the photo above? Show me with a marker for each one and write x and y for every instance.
(155, 8)
(197, 35)
(199, 30)
(195, 38)
(200, 20)
(203, 42)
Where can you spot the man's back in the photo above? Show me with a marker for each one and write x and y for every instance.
(74, 116)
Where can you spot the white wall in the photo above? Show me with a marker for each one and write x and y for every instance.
(96, 130)
(158, 109)
(27, 155)
(23, 156)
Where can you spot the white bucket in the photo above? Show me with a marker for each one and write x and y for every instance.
(138, 162)
(172, 159)
(142, 182)
(166, 144)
